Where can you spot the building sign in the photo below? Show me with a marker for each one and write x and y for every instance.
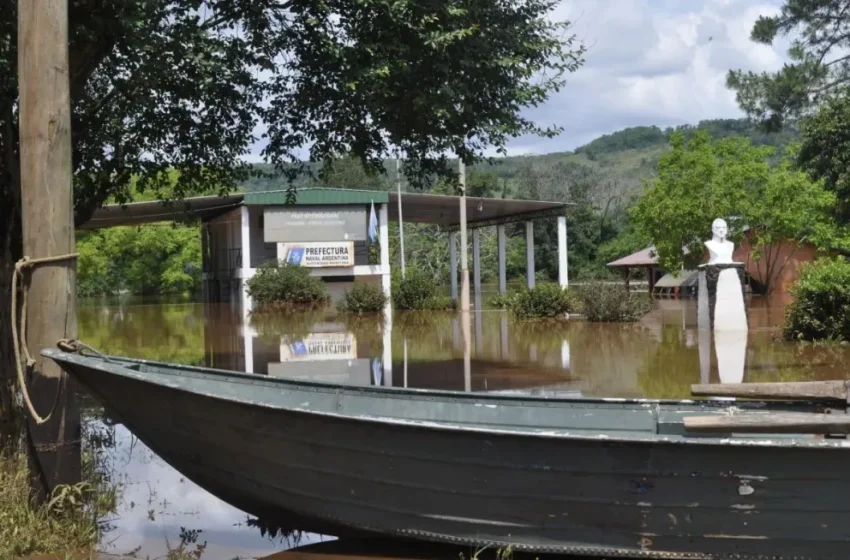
(314, 255)
(320, 346)
(287, 224)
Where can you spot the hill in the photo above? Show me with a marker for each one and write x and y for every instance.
(626, 157)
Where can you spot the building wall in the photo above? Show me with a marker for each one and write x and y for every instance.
(789, 253)
(260, 251)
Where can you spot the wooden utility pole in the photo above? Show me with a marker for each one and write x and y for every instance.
(48, 231)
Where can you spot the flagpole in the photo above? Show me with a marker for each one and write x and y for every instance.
(400, 221)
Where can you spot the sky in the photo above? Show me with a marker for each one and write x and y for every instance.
(650, 62)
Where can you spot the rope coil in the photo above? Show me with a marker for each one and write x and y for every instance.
(19, 338)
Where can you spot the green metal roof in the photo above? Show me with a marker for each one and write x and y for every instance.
(317, 196)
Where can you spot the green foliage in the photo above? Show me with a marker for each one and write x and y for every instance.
(159, 259)
(363, 298)
(418, 291)
(612, 303)
(819, 68)
(700, 180)
(545, 300)
(821, 306)
(70, 519)
(825, 151)
(283, 285)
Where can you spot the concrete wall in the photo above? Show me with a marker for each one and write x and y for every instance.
(260, 251)
(788, 252)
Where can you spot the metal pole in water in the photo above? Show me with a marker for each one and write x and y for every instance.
(400, 221)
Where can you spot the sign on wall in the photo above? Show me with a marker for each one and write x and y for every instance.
(315, 255)
(314, 223)
(320, 346)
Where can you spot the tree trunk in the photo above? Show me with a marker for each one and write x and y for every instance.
(10, 252)
(47, 220)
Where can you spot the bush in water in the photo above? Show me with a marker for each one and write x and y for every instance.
(283, 284)
(543, 300)
(821, 306)
(418, 291)
(363, 298)
(607, 303)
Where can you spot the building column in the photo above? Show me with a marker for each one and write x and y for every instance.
(503, 278)
(529, 253)
(563, 270)
(246, 270)
(453, 259)
(384, 237)
(248, 347)
(476, 261)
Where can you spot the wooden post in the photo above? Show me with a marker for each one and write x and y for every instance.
(48, 230)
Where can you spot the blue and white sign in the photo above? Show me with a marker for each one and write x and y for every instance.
(316, 255)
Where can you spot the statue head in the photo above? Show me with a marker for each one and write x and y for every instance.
(719, 228)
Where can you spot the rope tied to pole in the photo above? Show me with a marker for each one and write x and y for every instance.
(19, 338)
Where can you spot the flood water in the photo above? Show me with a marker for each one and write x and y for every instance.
(658, 357)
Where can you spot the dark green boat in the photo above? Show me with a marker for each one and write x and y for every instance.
(595, 477)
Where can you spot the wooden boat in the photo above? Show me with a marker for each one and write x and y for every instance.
(594, 477)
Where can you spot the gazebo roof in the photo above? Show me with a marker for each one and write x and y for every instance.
(644, 258)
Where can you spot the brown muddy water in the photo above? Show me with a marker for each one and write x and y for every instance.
(659, 356)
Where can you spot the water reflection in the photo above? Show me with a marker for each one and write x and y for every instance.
(157, 502)
(660, 356)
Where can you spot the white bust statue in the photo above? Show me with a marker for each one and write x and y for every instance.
(719, 248)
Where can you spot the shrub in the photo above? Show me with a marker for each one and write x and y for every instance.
(609, 303)
(418, 291)
(439, 303)
(502, 301)
(543, 300)
(285, 284)
(363, 298)
(821, 306)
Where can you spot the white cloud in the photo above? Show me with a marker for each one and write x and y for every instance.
(651, 62)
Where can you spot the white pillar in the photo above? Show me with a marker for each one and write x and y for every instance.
(529, 253)
(246, 271)
(563, 271)
(246, 239)
(476, 261)
(387, 357)
(453, 252)
(248, 348)
(503, 278)
(384, 237)
(565, 354)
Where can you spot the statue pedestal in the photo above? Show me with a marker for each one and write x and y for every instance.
(721, 304)
(722, 309)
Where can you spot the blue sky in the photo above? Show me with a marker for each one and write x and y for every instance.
(650, 62)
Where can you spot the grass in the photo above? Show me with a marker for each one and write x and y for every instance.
(70, 520)
(69, 524)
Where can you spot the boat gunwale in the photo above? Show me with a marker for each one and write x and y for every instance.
(115, 365)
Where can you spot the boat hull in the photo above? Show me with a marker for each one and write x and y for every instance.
(588, 496)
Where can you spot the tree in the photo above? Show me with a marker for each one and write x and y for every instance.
(825, 151)
(819, 69)
(167, 87)
(700, 180)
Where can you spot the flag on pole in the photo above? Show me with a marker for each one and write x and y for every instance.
(373, 224)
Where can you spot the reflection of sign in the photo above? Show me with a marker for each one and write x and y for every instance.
(314, 223)
(319, 254)
(320, 346)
